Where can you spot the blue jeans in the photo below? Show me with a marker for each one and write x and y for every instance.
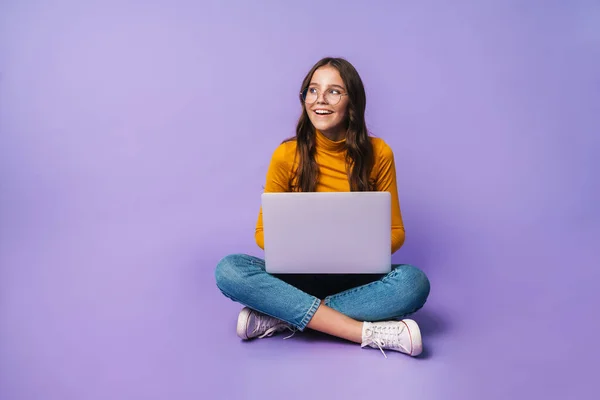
(243, 279)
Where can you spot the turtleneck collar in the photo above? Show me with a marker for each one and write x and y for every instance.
(329, 145)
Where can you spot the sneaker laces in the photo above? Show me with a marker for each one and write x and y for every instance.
(266, 321)
(383, 336)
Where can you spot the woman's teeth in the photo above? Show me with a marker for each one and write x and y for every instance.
(322, 112)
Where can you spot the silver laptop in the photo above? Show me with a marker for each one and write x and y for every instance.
(327, 232)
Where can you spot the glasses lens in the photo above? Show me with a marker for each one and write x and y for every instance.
(332, 97)
(310, 95)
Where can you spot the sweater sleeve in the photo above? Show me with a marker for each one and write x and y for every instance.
(277, 180)
(386, 181)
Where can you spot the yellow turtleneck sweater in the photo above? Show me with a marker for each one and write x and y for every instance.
(330, 157)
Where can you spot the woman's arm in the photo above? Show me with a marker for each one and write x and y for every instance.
(386, 181)
(278, 175)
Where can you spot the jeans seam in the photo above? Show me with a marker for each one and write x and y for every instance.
(331, 300)
(351, 291)
(300, 326)
(309, 314)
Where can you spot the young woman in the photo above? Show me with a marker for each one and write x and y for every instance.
(332, 151)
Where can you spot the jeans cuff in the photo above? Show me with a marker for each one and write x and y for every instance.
(309, 314)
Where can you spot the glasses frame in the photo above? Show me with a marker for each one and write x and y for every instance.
(302, 97)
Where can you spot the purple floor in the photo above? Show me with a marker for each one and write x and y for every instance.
(134, 142)
(97, 314)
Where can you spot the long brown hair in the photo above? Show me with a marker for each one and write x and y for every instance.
(359, 151)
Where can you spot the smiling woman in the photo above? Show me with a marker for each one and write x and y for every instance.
(334, 103)
(329, 114)
(332, 151)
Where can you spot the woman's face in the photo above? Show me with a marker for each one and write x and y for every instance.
(327, 102)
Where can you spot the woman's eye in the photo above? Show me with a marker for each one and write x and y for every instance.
(334, 91)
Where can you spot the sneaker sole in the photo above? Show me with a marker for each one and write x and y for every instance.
(415, 337)
(242, 323)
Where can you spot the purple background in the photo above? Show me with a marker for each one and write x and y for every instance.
(134, 141)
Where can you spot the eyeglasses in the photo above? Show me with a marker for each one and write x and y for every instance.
(331, 96)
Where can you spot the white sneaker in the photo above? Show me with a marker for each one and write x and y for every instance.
(403, 336)
(252, 324)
